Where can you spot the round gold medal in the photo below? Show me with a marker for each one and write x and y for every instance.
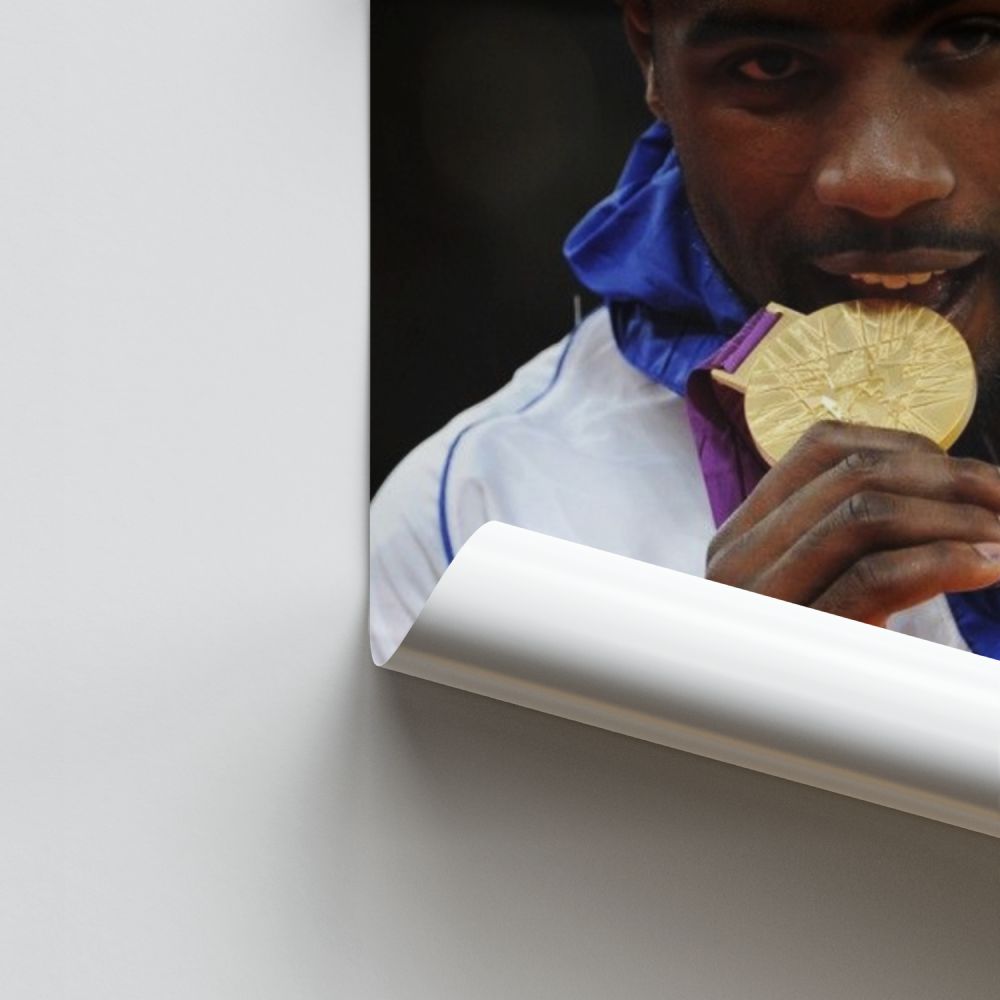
(878, 362)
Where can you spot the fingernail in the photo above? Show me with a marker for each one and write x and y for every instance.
(989, 550)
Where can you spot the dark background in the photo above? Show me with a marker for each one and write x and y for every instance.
(494, 127)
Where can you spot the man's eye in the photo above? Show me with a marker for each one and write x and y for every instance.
(771, 65)
(963, 41)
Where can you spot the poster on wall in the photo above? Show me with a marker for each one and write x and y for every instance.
(685, 362)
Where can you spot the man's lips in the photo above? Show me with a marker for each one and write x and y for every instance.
(919, 261)
(937, 279)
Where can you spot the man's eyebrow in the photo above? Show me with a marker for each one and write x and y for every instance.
(720, 26)
(723, 24)
(910, 13)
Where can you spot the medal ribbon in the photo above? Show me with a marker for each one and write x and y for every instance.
(730, 464)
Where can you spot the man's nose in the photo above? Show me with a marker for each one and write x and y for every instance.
(882, 164)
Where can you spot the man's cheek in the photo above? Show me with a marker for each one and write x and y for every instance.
(730, 237)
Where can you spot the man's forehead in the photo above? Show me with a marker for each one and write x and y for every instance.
(884, 17)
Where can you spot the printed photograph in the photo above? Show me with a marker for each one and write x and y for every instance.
(710, 285)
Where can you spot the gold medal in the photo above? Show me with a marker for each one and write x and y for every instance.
(878, 362)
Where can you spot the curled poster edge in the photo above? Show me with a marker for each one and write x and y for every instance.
(709, 669)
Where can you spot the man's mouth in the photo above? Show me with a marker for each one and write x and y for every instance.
(942, 280)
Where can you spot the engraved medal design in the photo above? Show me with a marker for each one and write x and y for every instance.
(878, 362)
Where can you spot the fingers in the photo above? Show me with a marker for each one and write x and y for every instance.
(883, 583)
(863, 524)
(857, 493)
(822, 447)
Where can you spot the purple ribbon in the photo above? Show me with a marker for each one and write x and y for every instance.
(730, 463)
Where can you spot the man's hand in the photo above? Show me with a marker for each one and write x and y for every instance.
(863, 522)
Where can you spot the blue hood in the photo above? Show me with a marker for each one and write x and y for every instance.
(642, 252)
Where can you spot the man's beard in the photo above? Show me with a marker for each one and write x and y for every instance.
(796, 283)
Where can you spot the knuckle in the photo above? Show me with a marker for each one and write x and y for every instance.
(960, 472)
(863, 460)
(863, 464)
(920, 442)
(875, 573)
(869, 507)
(965, 474)
(825, 435)
(910, 441)
(824, 430)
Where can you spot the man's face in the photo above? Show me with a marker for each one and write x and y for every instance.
(842, 150)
